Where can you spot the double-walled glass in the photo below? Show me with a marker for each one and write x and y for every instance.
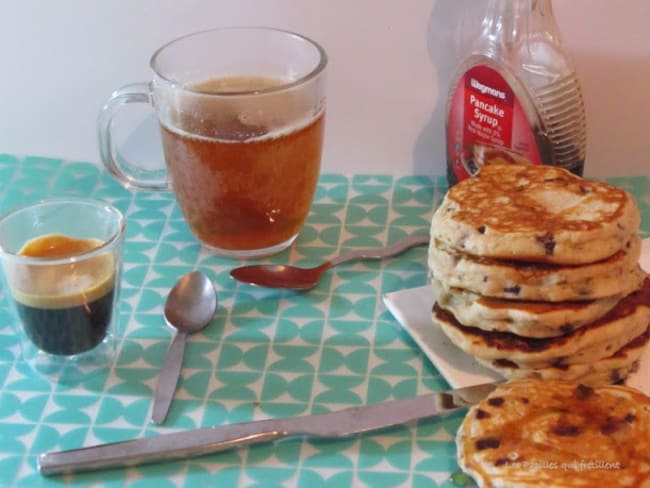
(61, 262)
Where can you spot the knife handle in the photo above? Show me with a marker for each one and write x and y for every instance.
(176, 445)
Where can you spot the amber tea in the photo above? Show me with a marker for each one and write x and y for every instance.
(243, 179)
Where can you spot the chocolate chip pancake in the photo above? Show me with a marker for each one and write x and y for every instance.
(535, 213)
(515, 280)
(586, 344)
(609, 370)
(557, 433)
(525, 318)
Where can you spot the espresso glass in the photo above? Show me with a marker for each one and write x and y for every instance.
(241, 113)
(61, 262)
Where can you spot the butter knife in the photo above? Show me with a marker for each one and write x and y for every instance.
(186, 444)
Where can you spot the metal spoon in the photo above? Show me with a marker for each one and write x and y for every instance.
(294, 278)
(190, 306)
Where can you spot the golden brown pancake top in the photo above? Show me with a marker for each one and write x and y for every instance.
(521, 198)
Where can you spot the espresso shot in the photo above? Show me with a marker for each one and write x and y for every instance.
(65, 309)
(60, 268)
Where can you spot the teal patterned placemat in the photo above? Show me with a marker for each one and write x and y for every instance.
(267, 354)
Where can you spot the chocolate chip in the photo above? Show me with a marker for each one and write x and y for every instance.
(548, 241)
(505, 363)
(615, 376)
(582, 392)
(501, 461)
(481, 229)
(514, 290)
(524, 400)
(496, 401)
(560, 363)
(482, 414)
(611, 425)
(585, 291)
(567, 430)
(560, 366)
(567, 329)
(488, 443)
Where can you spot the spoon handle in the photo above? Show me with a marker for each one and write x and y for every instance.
(168, 378)
(393, 250)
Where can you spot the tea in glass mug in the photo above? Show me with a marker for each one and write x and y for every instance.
(242, 133)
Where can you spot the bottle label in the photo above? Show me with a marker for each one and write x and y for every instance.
(487, 124)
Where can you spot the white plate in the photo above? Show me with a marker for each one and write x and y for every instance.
(412, 309)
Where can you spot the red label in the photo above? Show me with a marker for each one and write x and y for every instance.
(487, 124)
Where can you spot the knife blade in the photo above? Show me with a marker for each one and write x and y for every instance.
(198, 442)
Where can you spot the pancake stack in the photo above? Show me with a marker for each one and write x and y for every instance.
(536, 275)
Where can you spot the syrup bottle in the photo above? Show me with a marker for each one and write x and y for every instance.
(516, 96)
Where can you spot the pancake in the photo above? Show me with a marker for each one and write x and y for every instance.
(524, 318)
(535, 213)
(612, 369)
(615, 275)
(586, 344)
(557, 433)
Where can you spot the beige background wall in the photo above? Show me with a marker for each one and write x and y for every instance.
(389, 67)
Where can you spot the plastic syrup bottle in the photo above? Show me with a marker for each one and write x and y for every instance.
(515, 97)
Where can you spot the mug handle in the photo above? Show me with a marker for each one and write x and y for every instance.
(128, 174)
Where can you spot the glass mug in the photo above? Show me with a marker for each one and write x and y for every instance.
(61, 260)
(241, 114)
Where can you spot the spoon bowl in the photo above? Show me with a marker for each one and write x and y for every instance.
(190, 306)
(191, 303)
(295, 278)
